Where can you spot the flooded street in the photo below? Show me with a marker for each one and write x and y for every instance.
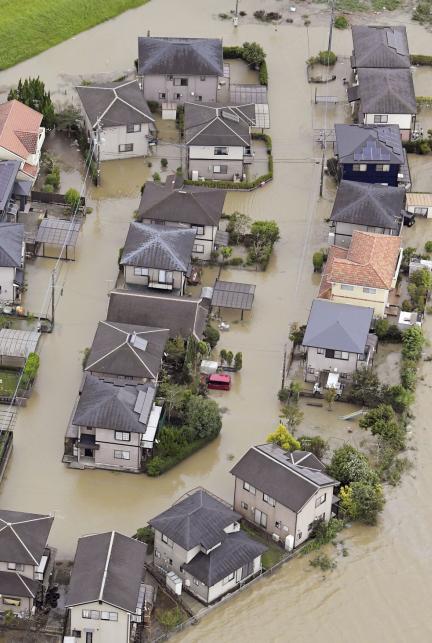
(380, 592)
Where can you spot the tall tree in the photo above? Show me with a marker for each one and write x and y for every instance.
(32, 92)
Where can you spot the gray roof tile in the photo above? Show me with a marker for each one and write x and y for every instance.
(114, 104)
(15, 584)
(376, 46)
(386, 91)
(369, 204)
(8, 173)
(11, 244)
(188, 56)
(271, 470)
(198, 519)
(338, 326)
(158, 246)
(108, 567)
(23, 536)
(369, 144)
(184, 316)
(114, 351)
(207, 124)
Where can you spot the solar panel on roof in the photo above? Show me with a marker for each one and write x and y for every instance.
(229, 116)
(145, 411)
(139, 401)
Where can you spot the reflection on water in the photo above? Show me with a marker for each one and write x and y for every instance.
(380, 592)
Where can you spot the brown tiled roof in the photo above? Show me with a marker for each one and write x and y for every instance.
(369, 261)
(19, 128)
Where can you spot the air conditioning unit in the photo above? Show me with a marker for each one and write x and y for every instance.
(187, 582)
(275, 537)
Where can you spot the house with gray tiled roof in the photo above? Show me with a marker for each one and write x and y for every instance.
(175, 70)
(25, 559)
(105, 598)
(113, 425)
(157, 256)
(284, 493)
(198, 541)
(218, 140)
(120, 111)
(11, 262)
(376, 46)
(337, 340)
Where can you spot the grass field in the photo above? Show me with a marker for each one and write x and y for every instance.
(28, 27)
(8, 382)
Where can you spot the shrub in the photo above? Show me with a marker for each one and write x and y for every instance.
(382, 422)
(327, 58)
(296, 334)
(156, 177)
(365, 388)
(316, 445)
(164, 163)
(263, 74)
(408, 374)
(145, 535)
(169, 618)
(324, 562)
(48, 188)
(398, 397)
(284, 394)
(253, 53)
(341, 22)
(211, 335)
(428, 246)
(412, 343)
(53, 179)
(238, 361)
(418, 59)
(283, 438)
(386, 331)
(72, 198)
(229, 357)
(323, 533)
(30, 370)
(350, 465)
(235, 261)
(318, 261)
(160, 464)
(362, 501)
(203, 417)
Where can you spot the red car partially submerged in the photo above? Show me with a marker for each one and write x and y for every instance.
(219, 381)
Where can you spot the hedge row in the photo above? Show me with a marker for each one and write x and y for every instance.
(418, 59)
(231, 53)
(160, 464)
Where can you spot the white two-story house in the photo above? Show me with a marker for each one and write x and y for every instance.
(105, 595)
(184, 206)
(200, 540)
(218, 140)
(117, 120)
(175, 70)
(12, 248)
(337, 340)
(24, 560)
(21, 137)
(158, 256)
(283, 492)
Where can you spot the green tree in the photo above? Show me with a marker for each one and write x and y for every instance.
(428, 247)
(170, 440)
(330, 396)
(297, 333)
(398, 397)
(362, 501)
(229, 357)
(316, 445)
(32, 92)
(341, 22)
(253, 53)
(295, 390)
(223, 355)
(292, 415)
(72, 198)
(238, 361)
(265, 231)
(145, 535)
(238, 226)
(30, 370)
(284, 439)
(68, 117)
(413, 341)
(327, 58)
(382, 422)
(173, 395)
(203, 417)
(175, 350)
(211, 335)
(365, 388)
(226, 252)
(350, 465)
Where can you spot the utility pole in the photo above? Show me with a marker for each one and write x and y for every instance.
(324, 141)
(236, 19)
(98, 144)
(52, 298)
(284, 367)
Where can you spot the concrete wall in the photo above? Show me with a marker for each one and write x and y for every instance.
(132, 278)
(153, 85)
(358, 297)
(290, 523)
(206, 239)
(103, 631)
(205, 169)
(319, 363)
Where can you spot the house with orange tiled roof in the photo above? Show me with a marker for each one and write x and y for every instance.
(363, 274)
(21, 137)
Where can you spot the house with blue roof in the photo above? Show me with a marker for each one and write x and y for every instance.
(337, 340)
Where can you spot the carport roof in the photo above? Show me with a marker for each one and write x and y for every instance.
(229, 294)
(58, 232)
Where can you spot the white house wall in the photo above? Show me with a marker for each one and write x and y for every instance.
(103, 631)
(235, 153)
(405, 122)
(113, 137)
(319, 363)
(154, 85)
(7, 276)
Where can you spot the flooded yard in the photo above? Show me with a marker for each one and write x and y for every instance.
(388, 565)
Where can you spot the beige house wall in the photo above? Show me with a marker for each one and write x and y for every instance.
(319, 363)
(103, 631)
(132, 278)
(154, 84)
(358, 297)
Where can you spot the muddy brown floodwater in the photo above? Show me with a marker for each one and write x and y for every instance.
(380, 592)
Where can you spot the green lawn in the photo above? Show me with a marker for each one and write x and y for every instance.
(9, 380)
(273, 554)
(28, 27)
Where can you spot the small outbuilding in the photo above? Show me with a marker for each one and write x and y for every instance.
(16, 346)
(419, 203)
(57, 233)
(229, 294)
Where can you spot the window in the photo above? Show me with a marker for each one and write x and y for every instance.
(269, 500)
(310, 526)
(359, 167)
(122, 435)
(165, 277)
(162, 95)
(319, 501)
(76, 634)
(198, 98)
(278, 524)
(418, 210)
(321, 517)
(320, 351)
(228, 579)
(341, 355)
(169, 77)
(380, 118)
(109, 616)
(199, 230)
(94, 614)
(8, 600)
(260, 518)
(198, 247)
(183, 82)
(216, 169)
(249, 487)
(177, 96)
(311, 370)
(346, 287)
(141, 272)
(369, 291)
(125, 147)
(329, 353)
(382, 168)
(122, 455)
(244, 505)
(19, 567)
(202, 78)
(167, 540)
(132, 129)
(299, 534)
(89, 637)
(220, 151)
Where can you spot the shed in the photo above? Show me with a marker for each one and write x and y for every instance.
(419, 203)
(16, 346)
(169, 111)
(229, 294)
(58, 233)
